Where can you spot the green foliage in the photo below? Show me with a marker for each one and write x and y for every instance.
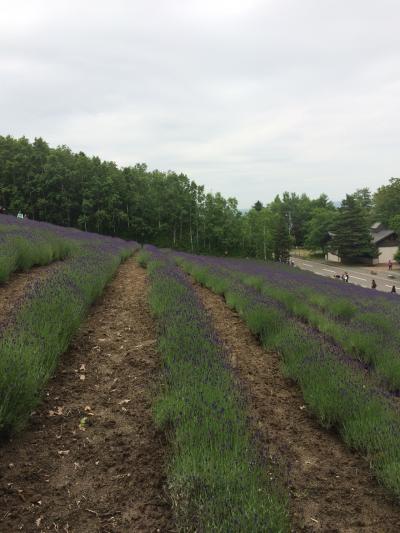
(258, 206)
(257, 233)
(394, 223)
(341, 308)
(364, 199)
(143, 257)
(165, 208)
(263, 321)
(352, 238)
(281, 239)
(269, 232)
(297, 211)
(321, 222)
(72, 189)
(387, 201)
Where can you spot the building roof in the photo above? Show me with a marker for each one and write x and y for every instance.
(376, 226)
(378, 236)
(378, 233)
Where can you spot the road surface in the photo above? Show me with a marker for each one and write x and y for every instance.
(358, 275)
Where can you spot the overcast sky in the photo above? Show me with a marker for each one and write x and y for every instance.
(250, 98)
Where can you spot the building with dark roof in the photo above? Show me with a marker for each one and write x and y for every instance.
(386, 240)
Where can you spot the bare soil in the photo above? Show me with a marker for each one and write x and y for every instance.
(331, 488)
(91, 459)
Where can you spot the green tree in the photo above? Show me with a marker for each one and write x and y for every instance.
(298, 210)
(387, 201)
(364, 198)
(394, 224)
(257, 233)
(281, 239)
(257, 206)
(318, 228)
(352, 238)
(66, 188)
(322, 202)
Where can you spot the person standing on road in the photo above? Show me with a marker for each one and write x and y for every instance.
(373, 284)
(393, 291)
(390, 264)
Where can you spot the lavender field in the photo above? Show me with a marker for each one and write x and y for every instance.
(338, 342)
(231, 455)
(44, 318)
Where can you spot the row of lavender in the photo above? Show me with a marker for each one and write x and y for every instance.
(46, 317)
(24, 244)
(336, 391)
(365, 324)
(217, 482)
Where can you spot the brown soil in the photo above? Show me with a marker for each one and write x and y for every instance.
(331, 488)
(91, 459)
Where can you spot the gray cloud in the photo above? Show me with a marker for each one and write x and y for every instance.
(249, 97)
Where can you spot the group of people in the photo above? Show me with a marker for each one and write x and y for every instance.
(288, 261)
(345, 277)
(20, 215)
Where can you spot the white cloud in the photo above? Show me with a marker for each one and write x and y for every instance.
(248, 97)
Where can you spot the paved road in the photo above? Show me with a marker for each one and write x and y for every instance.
(357, 275)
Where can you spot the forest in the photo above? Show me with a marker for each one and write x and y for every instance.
(169, 210)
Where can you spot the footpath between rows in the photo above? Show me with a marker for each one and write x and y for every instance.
(91, 459)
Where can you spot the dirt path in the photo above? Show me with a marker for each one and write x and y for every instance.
(91, 459)
(331, 488)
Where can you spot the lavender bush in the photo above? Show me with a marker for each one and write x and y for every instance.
(333, 387)
(47, 316)
(217, 482)
(366, 324)
(24, 244)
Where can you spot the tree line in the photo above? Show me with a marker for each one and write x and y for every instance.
(170, 210)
